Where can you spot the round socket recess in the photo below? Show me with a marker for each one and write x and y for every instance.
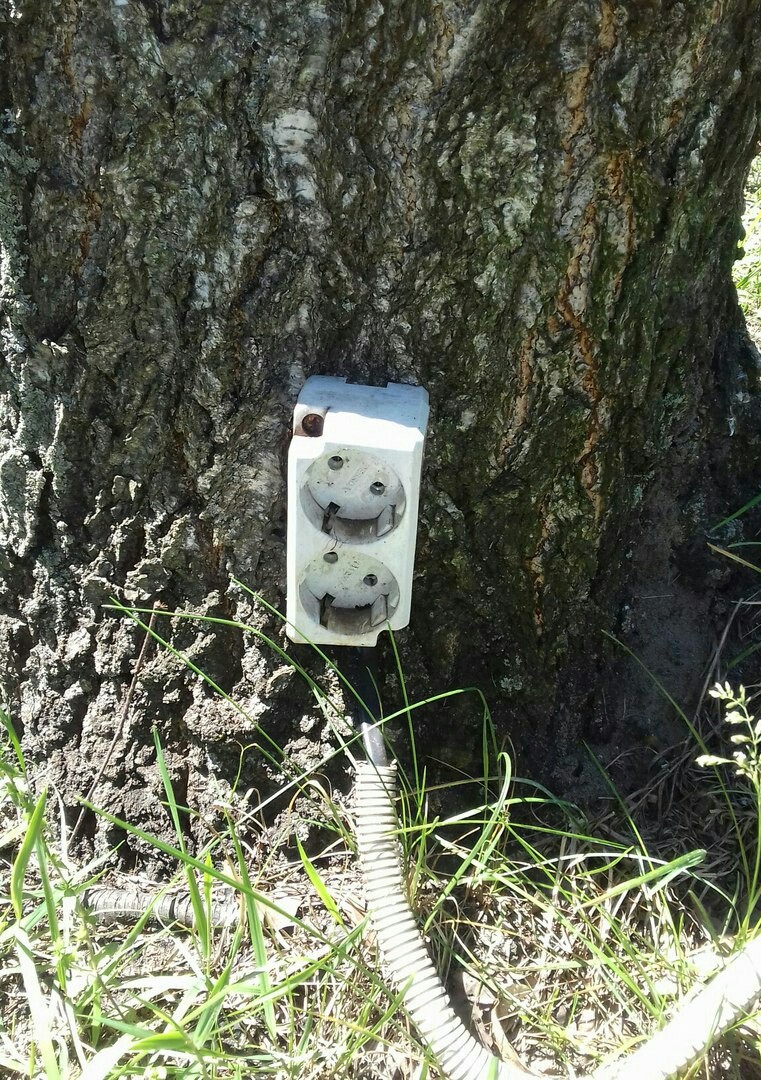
(348, 592)
(353, 496)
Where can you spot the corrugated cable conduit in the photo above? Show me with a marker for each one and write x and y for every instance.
(460, 1056)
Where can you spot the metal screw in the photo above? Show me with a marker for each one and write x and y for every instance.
(335, 462)
(377, 488)
(312, 425)
(330, 556)
(370, 579)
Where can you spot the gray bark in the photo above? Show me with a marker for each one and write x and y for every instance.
(531, 208)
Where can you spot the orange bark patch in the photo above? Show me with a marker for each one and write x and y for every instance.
(520, 407)
(79, 122)
(615, 175)
(576, 93)
(584, 351)
(93, 211)
(578, 82)
(607, 38)
(66, 57)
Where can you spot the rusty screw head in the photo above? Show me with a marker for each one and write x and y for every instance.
(312, 425)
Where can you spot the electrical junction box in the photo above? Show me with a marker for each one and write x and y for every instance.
(353, 493)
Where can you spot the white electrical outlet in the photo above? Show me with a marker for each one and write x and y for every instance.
(353, 493)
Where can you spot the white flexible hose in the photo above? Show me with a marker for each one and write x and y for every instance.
(460, 1056)
(726, 999)
(698, 1024)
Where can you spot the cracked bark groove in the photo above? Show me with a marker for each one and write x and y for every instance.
(530, 208)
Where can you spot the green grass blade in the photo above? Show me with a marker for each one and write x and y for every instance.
(738, 513)
(14, 741)
(319, 885)
(661, 875)
(256, 930)
(202, 926)
(743, 655)
(21, 862)
(480, 851)
(408, 715)
(51, 910)
(38, 1006)
(105, 1061)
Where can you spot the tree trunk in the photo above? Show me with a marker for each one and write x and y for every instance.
(531, 208)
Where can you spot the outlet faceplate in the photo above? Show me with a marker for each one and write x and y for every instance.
(353, 492)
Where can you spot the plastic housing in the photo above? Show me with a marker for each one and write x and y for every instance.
(353, 493)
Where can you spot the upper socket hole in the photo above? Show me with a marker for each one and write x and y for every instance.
(353, 496)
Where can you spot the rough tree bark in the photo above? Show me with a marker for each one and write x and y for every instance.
(529, 207)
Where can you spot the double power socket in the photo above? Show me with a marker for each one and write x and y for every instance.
(353, 493)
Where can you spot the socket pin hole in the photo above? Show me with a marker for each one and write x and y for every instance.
(377, 488)
(312, 425)
(370, 579)
(330, 556)
(335, 462)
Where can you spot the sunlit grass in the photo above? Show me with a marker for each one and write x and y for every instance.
(568, 939)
